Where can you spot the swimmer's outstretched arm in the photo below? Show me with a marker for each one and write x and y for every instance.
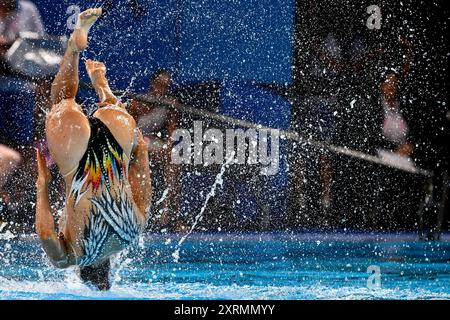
(65, 85)
(45, 225)
(140, 180)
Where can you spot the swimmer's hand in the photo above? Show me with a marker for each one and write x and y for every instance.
(44, 175)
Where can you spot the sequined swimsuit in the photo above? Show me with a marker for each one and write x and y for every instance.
(103, 170)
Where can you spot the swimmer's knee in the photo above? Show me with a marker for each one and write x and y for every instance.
(97, 275)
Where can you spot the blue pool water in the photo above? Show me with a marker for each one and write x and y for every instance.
(249, 266)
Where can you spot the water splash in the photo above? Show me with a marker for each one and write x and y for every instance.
(199, 216)
(119, 263)
(163, 197)
(130, 85)
(7, 235)
(2, 226)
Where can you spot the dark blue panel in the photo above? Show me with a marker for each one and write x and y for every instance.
(251, 103)
(16, 110)
(240, 40)
(132, 45)
(54, 15)
(237, 40)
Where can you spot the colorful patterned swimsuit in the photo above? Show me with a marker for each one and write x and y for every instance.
(102, 170)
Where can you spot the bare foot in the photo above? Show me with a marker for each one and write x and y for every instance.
(97, 72)
(85, 21)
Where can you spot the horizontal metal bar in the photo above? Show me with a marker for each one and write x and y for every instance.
(284, 134)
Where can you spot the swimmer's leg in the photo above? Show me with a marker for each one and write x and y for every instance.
(67, 128)
(45, 225)
(65, 85)
(140, 180)
(97, 73)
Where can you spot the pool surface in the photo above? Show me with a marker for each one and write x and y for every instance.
(247, 266)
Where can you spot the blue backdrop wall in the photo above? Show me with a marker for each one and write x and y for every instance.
(197, 40)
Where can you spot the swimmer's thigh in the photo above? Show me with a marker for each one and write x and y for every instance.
(68, 131)
(121, 124)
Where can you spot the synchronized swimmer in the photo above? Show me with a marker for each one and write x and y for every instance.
(104, 161)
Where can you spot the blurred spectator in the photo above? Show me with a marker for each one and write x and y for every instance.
(374, 118)
(390, 135)
(9, 159)
(16, 16)
(18, 95)
(391, 118)
(18, 98)
(318, 106)
(157, 124)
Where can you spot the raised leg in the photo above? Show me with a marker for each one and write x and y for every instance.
(67, 128)
(97, 73)
(65, 85)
